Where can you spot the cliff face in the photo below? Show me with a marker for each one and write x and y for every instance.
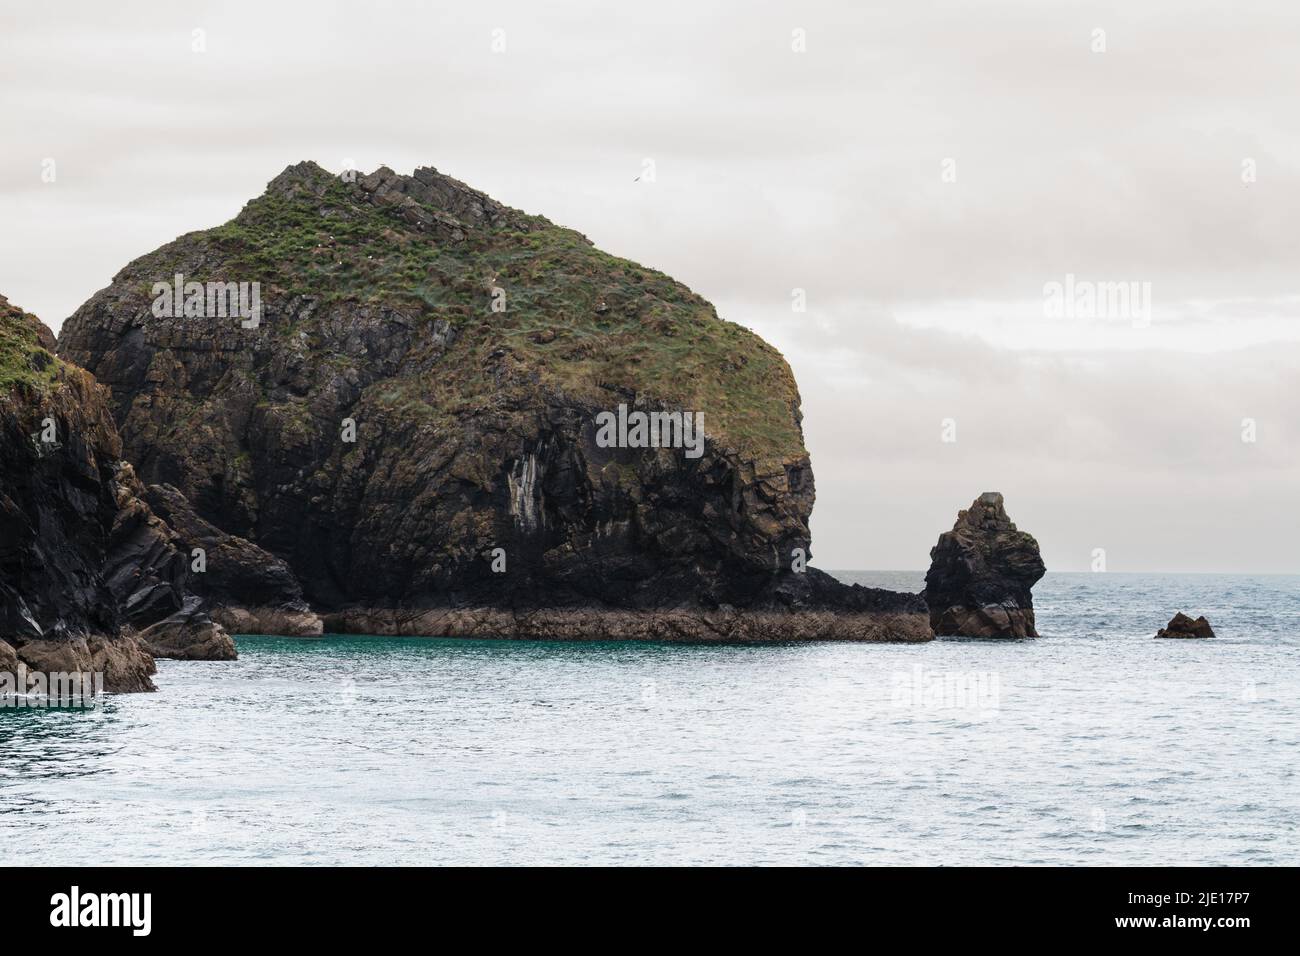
(422, 387)
(83, 560)
(57, 486)
(58, 504)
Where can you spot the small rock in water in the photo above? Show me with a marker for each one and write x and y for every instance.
(1183, 626)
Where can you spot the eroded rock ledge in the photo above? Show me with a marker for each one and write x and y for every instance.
(811, 606)
(189, 635)
(682, 626)
(125, 661)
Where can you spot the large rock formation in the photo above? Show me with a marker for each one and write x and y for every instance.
(410, 422)
(981, 573)
(82, 559)
(1182, 626)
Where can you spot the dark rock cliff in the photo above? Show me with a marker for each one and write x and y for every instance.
(411, 420)
(981, 574)
(82, 559)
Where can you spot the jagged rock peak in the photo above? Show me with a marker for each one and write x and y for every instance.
(426, 189)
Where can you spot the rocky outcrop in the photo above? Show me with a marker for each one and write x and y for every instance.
(145, 568)
(82, 559)
(981, 575)
(189, 635)
(410, 420)
(248, 589)
(8, 658)
(154, 580)
(1182, 626)
(123, 659)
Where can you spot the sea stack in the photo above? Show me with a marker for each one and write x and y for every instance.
(1182, 626)
(981, 574)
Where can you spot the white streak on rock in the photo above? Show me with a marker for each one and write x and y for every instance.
(524, 495)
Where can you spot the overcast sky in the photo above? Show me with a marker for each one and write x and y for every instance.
(921, 170)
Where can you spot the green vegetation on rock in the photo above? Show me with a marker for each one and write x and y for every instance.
(24, 361)
(577, 321)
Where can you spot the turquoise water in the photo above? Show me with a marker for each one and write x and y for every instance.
(1095, 744)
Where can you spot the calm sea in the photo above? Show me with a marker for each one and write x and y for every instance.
(1095, 744)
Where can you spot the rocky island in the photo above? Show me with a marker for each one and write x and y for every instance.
(385, 421)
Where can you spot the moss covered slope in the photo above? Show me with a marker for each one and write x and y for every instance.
(577, 318)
